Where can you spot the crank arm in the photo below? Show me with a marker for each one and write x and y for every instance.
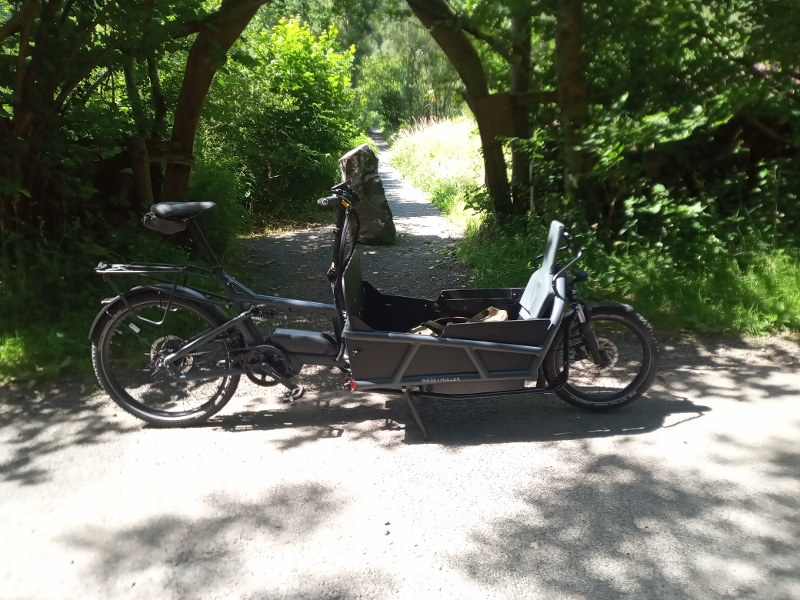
(283, 380)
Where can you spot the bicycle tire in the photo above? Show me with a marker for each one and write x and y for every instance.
(151, 394)
(626, 337)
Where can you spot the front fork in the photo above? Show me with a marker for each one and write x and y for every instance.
(585, 327)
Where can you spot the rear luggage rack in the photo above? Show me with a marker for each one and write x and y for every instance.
(162, 277)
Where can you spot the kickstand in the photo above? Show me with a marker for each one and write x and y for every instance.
(414, 412)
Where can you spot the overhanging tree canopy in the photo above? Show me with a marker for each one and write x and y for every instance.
(671, 58)
(57, 54)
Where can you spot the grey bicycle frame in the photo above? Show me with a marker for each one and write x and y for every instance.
(236, 296)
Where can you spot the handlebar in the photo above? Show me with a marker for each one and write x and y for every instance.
(343, 195)
(329, 201)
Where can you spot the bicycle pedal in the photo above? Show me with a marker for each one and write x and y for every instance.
(293, 394)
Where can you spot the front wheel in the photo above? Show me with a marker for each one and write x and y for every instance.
(127, 348)
(630, 354)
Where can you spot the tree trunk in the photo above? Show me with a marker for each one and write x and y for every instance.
(159, 102)
(573, 102)
(439, 19)
(520, 84)
(134, 98)
(159, 113)
(207, 54)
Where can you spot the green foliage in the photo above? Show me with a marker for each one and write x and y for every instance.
(49, 301)
(701, 271)
(219, 183)
(719, 294)
(281, 115)
(442, 158)
(407, 78)
(356, 20)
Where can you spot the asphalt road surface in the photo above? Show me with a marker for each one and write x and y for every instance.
(690, 492)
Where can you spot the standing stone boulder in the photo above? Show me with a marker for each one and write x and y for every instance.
(360, 167)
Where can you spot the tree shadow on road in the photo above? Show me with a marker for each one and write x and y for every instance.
(178, 556)
(614, 527)
(702, 369)
(35, 427)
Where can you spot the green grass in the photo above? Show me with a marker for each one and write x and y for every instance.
(759, 298)
(443, 160)
(34, 353)
(721, 293)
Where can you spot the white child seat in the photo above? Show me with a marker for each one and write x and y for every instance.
(539, 290)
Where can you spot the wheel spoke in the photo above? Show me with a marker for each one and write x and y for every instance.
(140, 383)
(625, 351)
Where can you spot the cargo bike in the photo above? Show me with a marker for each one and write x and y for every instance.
(171, 351)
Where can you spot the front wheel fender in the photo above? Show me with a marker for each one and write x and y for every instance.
(589, 306)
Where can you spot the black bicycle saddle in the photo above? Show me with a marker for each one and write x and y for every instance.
(180, 210)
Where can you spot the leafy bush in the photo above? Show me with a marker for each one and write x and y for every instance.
(49, 300)
(280, 115)
(408, 78)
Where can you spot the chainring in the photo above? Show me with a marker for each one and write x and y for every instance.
(265, 355)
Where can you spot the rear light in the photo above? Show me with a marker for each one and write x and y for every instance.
(353, 385)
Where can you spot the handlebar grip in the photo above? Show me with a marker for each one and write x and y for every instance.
(328, 201)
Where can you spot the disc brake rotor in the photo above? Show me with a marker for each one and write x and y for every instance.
(166, 345)
(609, 351)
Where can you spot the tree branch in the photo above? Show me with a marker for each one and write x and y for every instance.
(440, 20)
(493, 41)
(12, 26)
(230, 9)
(207, 53)
(541, 97)
(28, 12)
(441, 23)
(159, 102)
(51, 8)
(134, 97)
(444, 15)
(768, 131)
(96, 84)
(83, 39)
(71, 85)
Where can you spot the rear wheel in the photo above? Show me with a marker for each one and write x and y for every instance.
(126, 352)
(630, 353)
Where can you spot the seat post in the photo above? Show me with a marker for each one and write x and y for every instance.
(202, 244)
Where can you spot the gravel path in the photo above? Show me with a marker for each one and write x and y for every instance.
(691, 492)
(419, 264)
